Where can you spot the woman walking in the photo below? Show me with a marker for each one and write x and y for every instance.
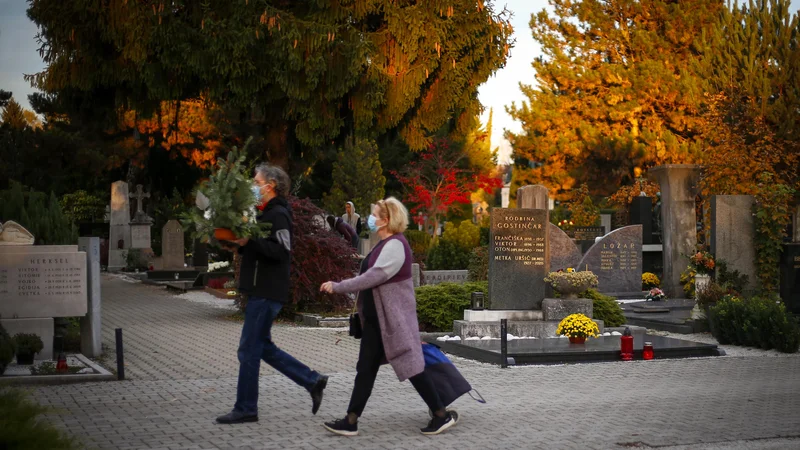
(388, 311)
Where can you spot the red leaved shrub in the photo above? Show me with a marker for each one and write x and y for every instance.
(318, 255)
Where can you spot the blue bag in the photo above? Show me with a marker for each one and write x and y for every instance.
(449, 382)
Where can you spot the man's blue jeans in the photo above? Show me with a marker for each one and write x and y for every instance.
(256, 344)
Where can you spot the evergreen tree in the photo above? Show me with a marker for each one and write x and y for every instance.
(357, 177)
(14, 116)
(5, 96)
(614, 91)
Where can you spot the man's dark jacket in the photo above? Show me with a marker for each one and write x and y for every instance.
(266, 261)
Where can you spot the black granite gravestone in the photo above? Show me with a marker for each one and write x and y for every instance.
(518, 258)
(585, 236)
(200, 254)
(641, 212)
(617, 260)
(790, 277)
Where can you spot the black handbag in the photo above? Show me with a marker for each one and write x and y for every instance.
(355, 322)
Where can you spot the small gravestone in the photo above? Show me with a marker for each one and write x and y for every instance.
(431, 277)
(119, 226)
(641, 213)
(587, 236)
(617, 260)
(518, 258)
(141, 223)
(790, 277)
(172, 245)
(733, 233)
(563, 251)
(533, 197)
(200, 254)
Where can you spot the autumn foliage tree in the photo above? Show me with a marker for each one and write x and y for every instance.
(436, 181)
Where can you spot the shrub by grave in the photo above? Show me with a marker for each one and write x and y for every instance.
(439, 305)
(605, 308)
(453, 250)
(730, 279)
(7, 349)
(479, 264)
(712, 293)
(28, 343)
(420, 243)
(23, 428)
(136, 258)
(755, 322)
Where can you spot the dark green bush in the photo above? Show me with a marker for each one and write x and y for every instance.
(712, 293)
(448, 255)
(136, 258)
(479, 264)
(420, 243)
(7, 349)
(21, 427)
(755, 322)
(439, 305)
(605, 308)
(731, 280)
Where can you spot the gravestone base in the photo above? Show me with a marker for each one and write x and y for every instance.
(559, 308)
(522, 328)
(41, 327)
(495, 315)
(117, 260)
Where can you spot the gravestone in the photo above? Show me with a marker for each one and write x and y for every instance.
(616, 259)
(518, 258)
(796, 224)
(563, 251)
(533, 197)
(172, 245)
(641, 212)
(605, 222)
(432, 277)
(38, 283)
(505, 196)
(91, 323)
(733, 233)
(587, 236)
(790, 277)
(678, 223)
(141, 223)
(200, 254)
(119, 226)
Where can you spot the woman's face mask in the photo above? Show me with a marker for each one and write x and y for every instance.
(372, 223)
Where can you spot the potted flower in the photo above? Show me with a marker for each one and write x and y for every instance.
(570, 283)
(577, 327)
(27, 345)
(226, 202)
(655, 295)
(650, 281)
(219, 266)
(703, 264)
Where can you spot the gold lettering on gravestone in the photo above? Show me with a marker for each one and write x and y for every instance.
(525, 249)
(619, 256)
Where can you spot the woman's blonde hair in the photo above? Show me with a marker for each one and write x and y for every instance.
(394, 211)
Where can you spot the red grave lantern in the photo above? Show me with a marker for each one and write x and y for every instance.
(626, 345)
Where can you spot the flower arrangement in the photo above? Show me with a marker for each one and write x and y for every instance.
(566, 224)
(218, 266)
(577, 326)
(649, 281)
(702, 262)
(655, 295)
(570, 283)
(226, 202)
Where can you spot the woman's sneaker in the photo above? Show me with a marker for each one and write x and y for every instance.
(439, 424)
(342, 427)
(452, 411)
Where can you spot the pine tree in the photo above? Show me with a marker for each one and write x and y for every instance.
(14, 116)
(357, 177)
(614, 91)
(5, 96)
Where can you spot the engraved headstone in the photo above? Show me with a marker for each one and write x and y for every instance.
(140, 195)
(518, 258)
(430, 277)
(587, 236)
(616, 259)
(563, 251)
(533, 197)
(641, 213)
(172, 245)
(733, 233)
(140, 236)
(119, 226)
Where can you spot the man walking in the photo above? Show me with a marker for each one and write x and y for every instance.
(264, 277)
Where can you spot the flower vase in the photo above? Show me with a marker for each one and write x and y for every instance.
(577, 339)
(700, 283)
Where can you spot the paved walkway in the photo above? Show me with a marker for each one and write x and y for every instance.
(174, 395)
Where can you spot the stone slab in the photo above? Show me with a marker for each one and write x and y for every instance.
(523, 328)
(140, 236)
(558, 308)
(432, 277)
(617, 260)
(172, 245)
(563, 251)
(518, 258)
(91, 323)
(587, 233)
(43, 285)
(733, 233)
(641, 213)
(42, 327)
(494, 315)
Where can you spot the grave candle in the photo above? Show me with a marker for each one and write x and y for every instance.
(647, 351)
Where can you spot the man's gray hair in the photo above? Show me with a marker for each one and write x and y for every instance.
(274, 174)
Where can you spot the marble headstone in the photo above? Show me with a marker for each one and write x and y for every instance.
(616, 259)
(172, 245)
(518, 258)
(140, 236)
(533, 197)
(12, 233)
(733, 233)
(563, 251)
(119, 226)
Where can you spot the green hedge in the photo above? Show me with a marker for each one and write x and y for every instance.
(605, 308)
(439, 305)
(448, 255)
(21, 427)
(754, 322)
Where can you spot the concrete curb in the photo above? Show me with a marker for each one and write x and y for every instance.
(101, 375)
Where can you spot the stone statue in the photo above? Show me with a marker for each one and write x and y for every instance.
(12, 233)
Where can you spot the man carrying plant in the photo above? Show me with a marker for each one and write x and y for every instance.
(264, 277)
